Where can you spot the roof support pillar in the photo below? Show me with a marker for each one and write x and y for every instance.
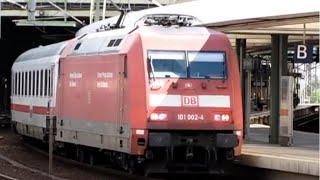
(245, 85)
(279, 47)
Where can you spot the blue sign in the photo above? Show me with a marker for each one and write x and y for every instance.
(303, 53)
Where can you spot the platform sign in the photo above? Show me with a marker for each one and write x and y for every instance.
(303, 53)
(247, 64)
(286, 111)
(259, 84)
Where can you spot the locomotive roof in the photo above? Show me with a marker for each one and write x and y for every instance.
(156, 30)
(42, 51)
(113, 40)
(178, 30)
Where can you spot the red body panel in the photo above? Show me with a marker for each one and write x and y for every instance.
(90, 87)
(136, 83)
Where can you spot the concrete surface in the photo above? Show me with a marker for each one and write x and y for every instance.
(302, 157)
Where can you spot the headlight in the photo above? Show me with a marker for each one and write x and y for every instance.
(225, 117)
(158, 116)
(217, 117)
(221, 117)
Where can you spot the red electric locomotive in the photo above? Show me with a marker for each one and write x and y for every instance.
(159, 96)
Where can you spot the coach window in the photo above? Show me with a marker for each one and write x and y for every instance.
(22, 83)
(15, 83)
(33, 82)
(26, 83)
(12, 80)
(12, 86)
(37, 83)
(41, 83)
(50, 82)
(30, 83)
(18, 83)
(45, 82)
(25, 87)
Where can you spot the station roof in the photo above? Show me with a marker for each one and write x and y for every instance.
(254, 20)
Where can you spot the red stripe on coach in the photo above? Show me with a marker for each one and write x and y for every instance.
(26, 109)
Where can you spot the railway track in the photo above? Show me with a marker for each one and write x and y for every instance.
(101, 169)
(59, 162)
(3, 176)
(33, 161)
(306, 119)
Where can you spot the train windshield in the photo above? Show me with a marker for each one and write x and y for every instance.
(207, 65)
(166, 64)
(181, 64)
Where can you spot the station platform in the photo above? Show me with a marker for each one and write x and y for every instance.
(302, 114)
(260, 117)
(301, 158)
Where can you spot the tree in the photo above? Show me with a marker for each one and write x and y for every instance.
(315, 96)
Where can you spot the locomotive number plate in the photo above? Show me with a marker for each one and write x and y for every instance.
(190, 117)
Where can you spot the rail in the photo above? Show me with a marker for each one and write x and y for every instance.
(3, 176)
(305, 118)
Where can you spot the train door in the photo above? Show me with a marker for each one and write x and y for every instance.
(122, 74)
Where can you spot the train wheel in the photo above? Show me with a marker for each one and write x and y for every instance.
(81, 156)
(91, 159)
(131, 167)
(135, 168)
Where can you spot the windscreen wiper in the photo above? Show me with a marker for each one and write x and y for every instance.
(152, 68)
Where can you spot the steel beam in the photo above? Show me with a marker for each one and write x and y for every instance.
(23, 22)
(165, 2)
(279, 50)
(311, 17)
(247, 103)
(244, 77)
(54, 13)
(275, 85)
(97, 15)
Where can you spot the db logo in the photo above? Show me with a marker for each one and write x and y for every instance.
(189, 100)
